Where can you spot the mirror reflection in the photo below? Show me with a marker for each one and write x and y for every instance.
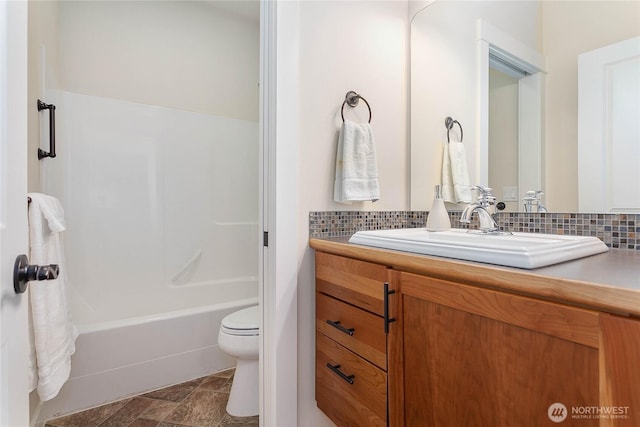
(508, 71)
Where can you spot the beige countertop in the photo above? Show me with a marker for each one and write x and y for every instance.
(608, 282)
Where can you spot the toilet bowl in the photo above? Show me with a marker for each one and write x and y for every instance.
(239, 338)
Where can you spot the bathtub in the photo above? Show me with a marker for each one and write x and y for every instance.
(118, 359)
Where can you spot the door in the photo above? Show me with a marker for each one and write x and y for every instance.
(608, 128)
(473, 356)
(14, 402)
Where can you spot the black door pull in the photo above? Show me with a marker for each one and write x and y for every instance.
(52, 130)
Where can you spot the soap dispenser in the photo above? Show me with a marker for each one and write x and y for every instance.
(438, 218)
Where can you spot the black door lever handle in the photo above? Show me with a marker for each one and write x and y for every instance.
(23, 272)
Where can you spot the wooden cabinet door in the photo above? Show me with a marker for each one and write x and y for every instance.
(477, 357)
(620, 370)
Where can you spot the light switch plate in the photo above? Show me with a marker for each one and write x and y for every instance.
(510, 194)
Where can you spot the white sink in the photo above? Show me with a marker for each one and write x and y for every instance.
(523, 250)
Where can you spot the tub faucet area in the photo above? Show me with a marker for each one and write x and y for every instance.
(481, 206)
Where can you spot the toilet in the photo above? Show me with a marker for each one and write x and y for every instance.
(239, 338)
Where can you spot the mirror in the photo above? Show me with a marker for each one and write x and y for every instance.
(451, 75)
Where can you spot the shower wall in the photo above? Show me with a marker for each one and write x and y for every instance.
(157, 141)
(161, 205)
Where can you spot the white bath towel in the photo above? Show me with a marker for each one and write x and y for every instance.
(356, 164)
(52, 331)
(455, 174)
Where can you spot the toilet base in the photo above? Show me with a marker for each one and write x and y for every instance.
(243, 398)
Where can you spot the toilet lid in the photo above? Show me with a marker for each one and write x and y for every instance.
(245, 319)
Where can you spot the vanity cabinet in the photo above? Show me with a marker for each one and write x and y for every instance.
(459, 352)
(352, 313)
(466, 355)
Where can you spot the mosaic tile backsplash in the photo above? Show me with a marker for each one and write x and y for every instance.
(615, 230)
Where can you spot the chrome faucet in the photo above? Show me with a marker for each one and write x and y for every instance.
(533, 202)
(484, 206)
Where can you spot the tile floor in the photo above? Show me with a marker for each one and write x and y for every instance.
(197, 403)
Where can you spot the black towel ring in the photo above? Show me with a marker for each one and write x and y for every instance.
(352, 99)
(449, 122)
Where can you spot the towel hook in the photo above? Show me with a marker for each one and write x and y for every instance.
(449, 122)
(352, 99)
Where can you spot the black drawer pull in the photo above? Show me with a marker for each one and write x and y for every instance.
(336, 324)
(336, 369)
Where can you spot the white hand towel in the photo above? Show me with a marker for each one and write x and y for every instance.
(356, 164)
(455, 174)
(51, 327)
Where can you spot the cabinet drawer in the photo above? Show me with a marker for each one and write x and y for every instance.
(354, 392)
(358, 330)
(358, 282)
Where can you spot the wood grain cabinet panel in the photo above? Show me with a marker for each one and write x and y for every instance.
(464, 369)
(361, 402)
(620, 369)
(357, 282)
(468, 356)
(357, 330)
(462, 354)
(351, 341)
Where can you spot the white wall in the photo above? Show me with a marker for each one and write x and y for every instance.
(571, 28)
(361, 46)
(143, 51)
(346, 45)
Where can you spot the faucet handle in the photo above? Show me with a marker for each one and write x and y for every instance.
(533, 195)
(485, 195)
(484, 191)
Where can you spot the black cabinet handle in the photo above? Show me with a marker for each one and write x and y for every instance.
(52, 130)
(336, 369)
(336, 324)
(387, 320)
